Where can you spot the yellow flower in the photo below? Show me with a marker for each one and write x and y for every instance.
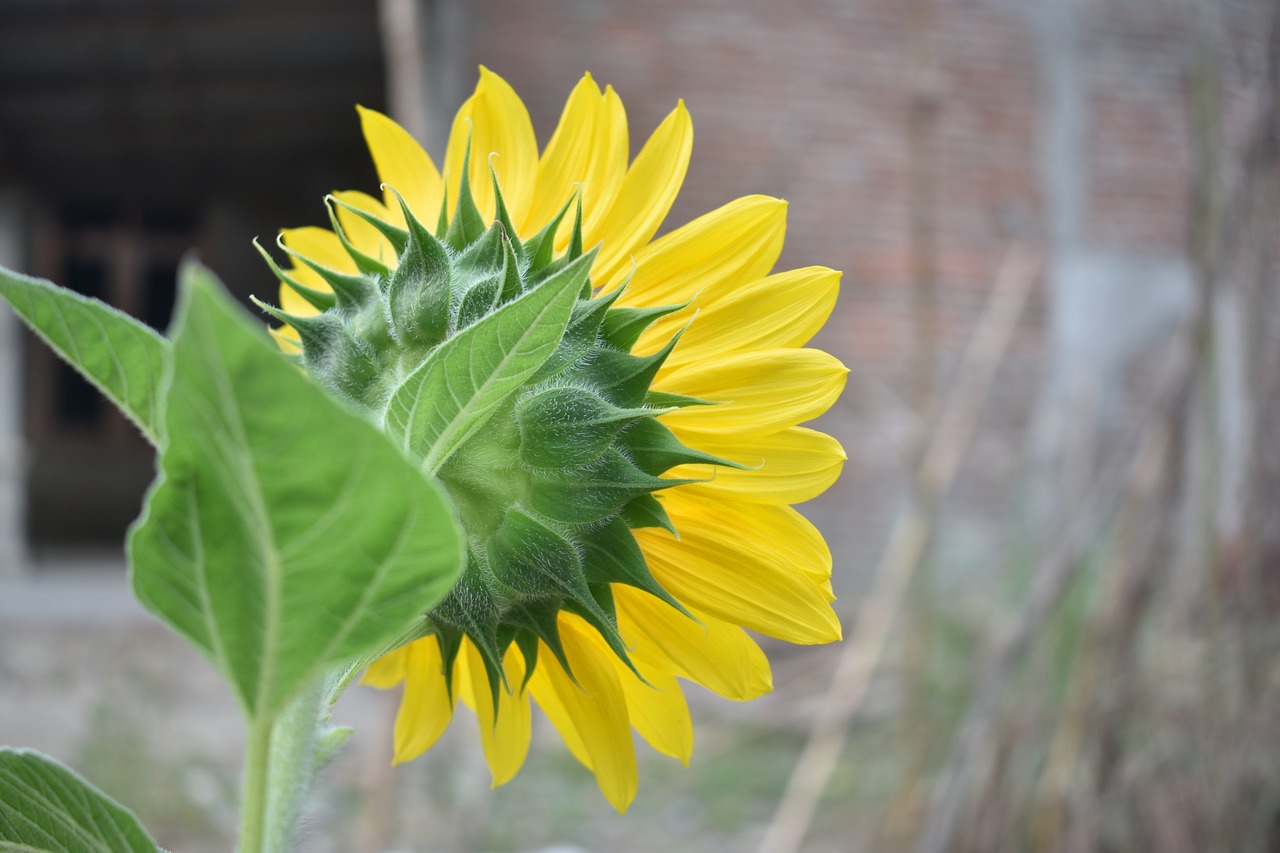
(743, 557)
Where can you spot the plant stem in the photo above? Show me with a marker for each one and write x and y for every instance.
(253, 806)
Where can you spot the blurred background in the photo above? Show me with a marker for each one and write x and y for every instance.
(1057, 539)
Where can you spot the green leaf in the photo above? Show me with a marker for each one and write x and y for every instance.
(455, 390)
(587, 496)
(123, 358)
(285, 532)
(47, 808)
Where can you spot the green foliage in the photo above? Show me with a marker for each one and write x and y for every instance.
(46, 808)
(285, 533)
(123, 358)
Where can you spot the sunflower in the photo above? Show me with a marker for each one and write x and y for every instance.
(719, 342)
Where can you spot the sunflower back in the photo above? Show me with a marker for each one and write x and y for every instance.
(493, 363)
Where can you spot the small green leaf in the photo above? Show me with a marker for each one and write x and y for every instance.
(624, 326)
(646, 511)
(123, 358)
(586, 496)
(611, 555)
(656, 450)
(452, 394)
(566, 427)
(285, 532)
(47, 808)
(624, 379)
(419, 288)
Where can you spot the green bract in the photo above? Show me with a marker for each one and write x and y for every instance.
(493, 362)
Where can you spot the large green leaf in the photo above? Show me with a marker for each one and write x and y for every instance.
(451, 395)
(285, 533)
(125, 359)
(47, 808)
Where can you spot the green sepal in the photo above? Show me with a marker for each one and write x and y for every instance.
(535, 562)
(575, 237)
(512, 282)
(656, 450)
(350, 291)
(667, 400)
(472, 608)
(317, 299)
(540, 247)
(346, 363)
(569, 427)
(397, 237)
(315, 330)
(538, 619)
(601, 614)
(481, 259)
(531, 560)
(481, 273)
(467, 225)
(647, 511)
(449, 637)
(479, 301)
(442, 220)
(365, 263)
(624, 379)
(586, 496)
(420, 289)
(502, 214)
(624, 326)
(527, 643)
(611, 555)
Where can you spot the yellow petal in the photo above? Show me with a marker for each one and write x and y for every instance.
(362, 235)
(402, 164)
(591, 715)
(758, 392)
(785, 536)
(786, 467)
(567, 156)
(737, 242)
(783, 310)
(657, 709)
(505, 736)
(608, 166)
(425, 708)
(738, 580)
(710, 651)
(292, 303)
(388, 670)
(646, 194)
(495, 120)
(588, 154)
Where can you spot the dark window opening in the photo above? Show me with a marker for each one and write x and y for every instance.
(89, 465)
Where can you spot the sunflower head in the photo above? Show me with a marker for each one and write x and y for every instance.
(616, 418)
(564, 463)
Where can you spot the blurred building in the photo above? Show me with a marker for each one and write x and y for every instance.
(917, 142)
